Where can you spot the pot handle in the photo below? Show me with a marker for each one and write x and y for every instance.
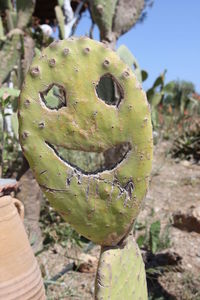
(20, 207)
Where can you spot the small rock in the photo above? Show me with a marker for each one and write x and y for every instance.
(189, 220)
(185, 163)
(86, 264)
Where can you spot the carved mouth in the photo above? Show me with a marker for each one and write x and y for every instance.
(92, 163)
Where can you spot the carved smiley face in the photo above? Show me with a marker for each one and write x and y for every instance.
(90, 147)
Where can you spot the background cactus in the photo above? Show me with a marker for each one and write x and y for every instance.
(101, 203)
(114, 18)
(13, 46)
(61, 20)
(9, 56)
(2, 36)
(126, 55)
(102, 13)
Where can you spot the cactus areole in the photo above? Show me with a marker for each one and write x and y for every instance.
(91, 156)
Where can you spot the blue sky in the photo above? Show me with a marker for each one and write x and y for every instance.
(169, 38)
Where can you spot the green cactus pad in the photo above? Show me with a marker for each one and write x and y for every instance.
(64, 126)
(121, 273)
(102, 13)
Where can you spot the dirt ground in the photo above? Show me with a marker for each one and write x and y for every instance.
(174, 186)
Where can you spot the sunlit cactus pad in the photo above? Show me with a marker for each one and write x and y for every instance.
(90, 154)
(102, 13)
(121, 273)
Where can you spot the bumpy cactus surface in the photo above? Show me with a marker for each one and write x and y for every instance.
(102, 203)
(121, 273)
(91, 151)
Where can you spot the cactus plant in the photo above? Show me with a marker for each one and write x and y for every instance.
(16, 21)
(126, 55)
(2, 36)
(9, 56)
(100, 203)
(121, 273)
(102, 13)
(114, 18)
(5, 4)
(61, 20)
(24, 12)
(127, 13)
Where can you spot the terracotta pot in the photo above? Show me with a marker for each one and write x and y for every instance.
(20, 277)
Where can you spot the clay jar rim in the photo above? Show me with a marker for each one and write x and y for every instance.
(8, 200)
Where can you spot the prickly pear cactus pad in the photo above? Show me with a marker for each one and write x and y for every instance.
(103, 12)
(91, 156)
(121, 273)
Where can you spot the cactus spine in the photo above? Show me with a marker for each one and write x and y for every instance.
(101, 203)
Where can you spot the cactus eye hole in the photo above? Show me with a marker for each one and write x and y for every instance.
(54, 97)
(109, 90)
